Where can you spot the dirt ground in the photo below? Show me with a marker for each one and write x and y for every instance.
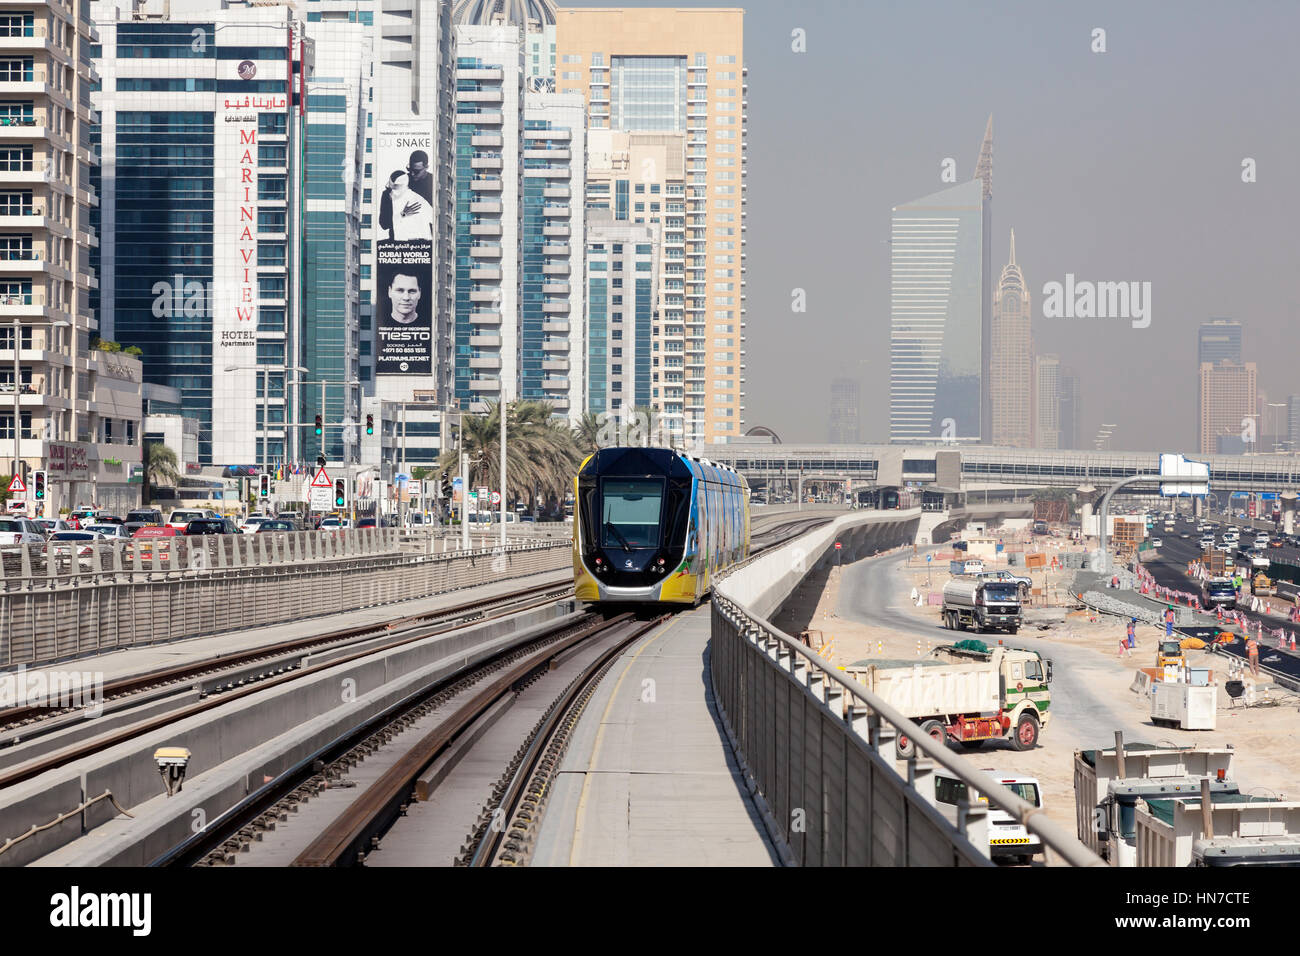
(1265, 736)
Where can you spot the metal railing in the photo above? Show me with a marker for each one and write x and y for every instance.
(65, 599)
(816, 745)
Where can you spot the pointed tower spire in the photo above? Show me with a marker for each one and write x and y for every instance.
(984, 168)
(1013, 247)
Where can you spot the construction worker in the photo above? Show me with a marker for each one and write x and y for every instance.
(1132, 633)
(1169, 621)
(1252, 652)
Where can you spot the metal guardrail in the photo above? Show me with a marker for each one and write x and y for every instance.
(56, 603)
(817, 748)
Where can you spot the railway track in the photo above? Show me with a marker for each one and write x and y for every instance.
(402, 743)
(240, 668)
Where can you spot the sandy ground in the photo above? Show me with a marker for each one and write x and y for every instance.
(1100, 702)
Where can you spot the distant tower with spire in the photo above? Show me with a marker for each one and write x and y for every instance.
(1011, 367)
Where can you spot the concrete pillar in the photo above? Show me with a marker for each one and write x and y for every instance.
(1288, 512)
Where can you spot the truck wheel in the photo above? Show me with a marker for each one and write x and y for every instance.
(936, 731)
(904, 747)
(1013, 629)
(971, 744)
(1026, 736)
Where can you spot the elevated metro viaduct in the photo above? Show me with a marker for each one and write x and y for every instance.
(941, 476)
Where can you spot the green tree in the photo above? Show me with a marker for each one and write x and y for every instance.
(160, 467)
(422, 472)
(540, 451)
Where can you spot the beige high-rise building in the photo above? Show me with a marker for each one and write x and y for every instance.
(1011, 369)
(78, 408)
(678, 71)
(1047, 417)
(1229, 405)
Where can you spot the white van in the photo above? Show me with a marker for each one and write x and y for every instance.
(1007, 838)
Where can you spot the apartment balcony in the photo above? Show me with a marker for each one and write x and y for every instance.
(485, 316)
(556, 269)
(550, 249)
(29, 44)
(485, 162)
(24, 305)
(38, 172)
(555, 365)
(559, 403)
(556, 308)
(555, 153)
(490, 273)
(485, 184)
(487, 140)
(481, 73)
(559, 172)
(556, 325)
(548, 134)
(556, 211)
(556, 192)
(485, 384)
(558, 230)
(484, 295)
(485, 341)
(485, 362)
(23, 127)
(484, 118)
(478, 96)
(488, 206)
(555, 288)
(555, 345)
(485, 229)
(485, 250)
(555, 384)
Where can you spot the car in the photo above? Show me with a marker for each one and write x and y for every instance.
(252, 523)
(1009, 840)
(367, 522)
(145, 516)
(333, 523)
(202, 526)
(16, 530)
(51, 525)
(179, 519)
(275, 524)
(111, 532)
(1157, 543)
(83, 540)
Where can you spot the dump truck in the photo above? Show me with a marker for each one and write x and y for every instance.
(1107, 787)
(965, 693)
(981, 604)
(1239, 829)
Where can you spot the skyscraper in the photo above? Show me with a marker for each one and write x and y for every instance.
(1071, 403)
(1218, 340)
(1228, 407)
(1011, 368)
(941, 311)
(678, 71)
(844, 418)
(1047, 388)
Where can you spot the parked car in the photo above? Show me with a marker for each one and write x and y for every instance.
(20, 531)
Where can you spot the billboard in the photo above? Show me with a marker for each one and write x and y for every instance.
(404, 293)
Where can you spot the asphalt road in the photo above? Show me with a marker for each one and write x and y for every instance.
(870, 593)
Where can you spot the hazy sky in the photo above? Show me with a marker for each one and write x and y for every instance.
(1116, 166)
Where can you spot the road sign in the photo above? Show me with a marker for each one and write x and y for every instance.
(16, 486)
(837, 545)
(929, 558)
(322, 492)
(496, 498)
(483, 497)
(471, 503)
(17, 504)
(322, 480)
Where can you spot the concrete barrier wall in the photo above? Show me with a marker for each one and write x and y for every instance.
(765, 583)
(102, 611)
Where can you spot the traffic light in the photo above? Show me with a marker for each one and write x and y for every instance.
(340, 492)
(320, 429)
(370, 424)
(264, 486)
(446, 486)
(38, 485)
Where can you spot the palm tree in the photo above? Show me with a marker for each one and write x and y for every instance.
(586, 433)
(540, 451)
(160, 467)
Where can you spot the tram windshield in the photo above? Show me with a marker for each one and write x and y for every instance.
(630, 513)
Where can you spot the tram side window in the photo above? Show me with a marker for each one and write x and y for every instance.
(631, 513)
